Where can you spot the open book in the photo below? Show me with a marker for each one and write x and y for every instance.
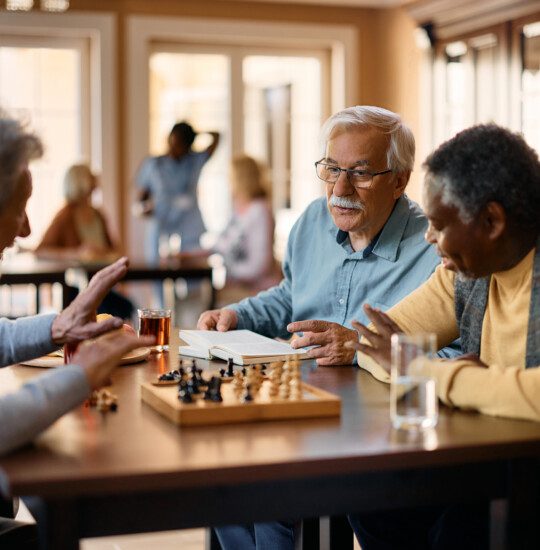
(242, 346)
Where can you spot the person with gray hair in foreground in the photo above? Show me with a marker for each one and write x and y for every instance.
(482, 197)
(28, 411)
(362, 242)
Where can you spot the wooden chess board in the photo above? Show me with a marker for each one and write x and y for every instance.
(314, 403)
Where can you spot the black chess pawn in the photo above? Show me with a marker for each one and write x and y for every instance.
(222, 373)
(200, 380)
(184, 392)
(248, 395)
(230, 367)
(213, 393)
(193, 382)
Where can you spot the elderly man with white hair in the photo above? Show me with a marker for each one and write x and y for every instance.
(363, 242)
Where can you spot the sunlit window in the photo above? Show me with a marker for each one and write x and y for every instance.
(42, 86)
(195, 88)
(277, 122)
(282, 104)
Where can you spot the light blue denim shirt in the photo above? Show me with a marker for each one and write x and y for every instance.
(324, 278)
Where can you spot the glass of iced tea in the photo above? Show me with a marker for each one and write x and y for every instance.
(157, 323)
(69, 350)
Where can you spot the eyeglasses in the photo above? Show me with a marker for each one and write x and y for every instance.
(361, 179)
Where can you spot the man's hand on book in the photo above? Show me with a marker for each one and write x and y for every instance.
(218, 319)
(329, 339)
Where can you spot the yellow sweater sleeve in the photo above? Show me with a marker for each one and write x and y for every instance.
(430, 308)
(497, 391)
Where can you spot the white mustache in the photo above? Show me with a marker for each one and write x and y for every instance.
(344, 202)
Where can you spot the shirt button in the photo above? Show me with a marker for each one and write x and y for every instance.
(341, 301)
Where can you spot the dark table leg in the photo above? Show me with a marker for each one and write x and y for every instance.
(38, 302)
(338, 532)
(65, 295)
(310, 534)
(211, 541)
(212, 304)
(57, 521)
(523, 505)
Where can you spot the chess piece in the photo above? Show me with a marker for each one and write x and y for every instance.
(238, 384)
(248, 396)
(230, 367)
(213, 393)
(295, 389)
(222, 373)
(184, 393)
(193, 382)
(200, 380)
(106, 401)
(168, 376)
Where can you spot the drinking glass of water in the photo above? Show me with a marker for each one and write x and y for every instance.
(413, 395)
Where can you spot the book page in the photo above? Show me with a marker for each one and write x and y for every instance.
(215, 338)
(259, 349)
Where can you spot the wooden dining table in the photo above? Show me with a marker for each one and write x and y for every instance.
(134, 471)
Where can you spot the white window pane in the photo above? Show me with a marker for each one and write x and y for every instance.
(282, 118)
(42, 86)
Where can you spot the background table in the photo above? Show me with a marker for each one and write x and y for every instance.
(134, 471)
(25, 268)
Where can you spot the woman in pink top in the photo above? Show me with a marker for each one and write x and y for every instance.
(246, 244)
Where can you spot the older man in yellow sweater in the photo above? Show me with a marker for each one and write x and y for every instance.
(482, 200)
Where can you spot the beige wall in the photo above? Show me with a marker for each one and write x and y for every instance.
(387, 72)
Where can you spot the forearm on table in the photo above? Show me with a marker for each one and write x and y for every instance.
(497, 391)
(25, 338)
(28, 411)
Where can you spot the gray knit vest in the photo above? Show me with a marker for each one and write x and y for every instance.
(471, 297)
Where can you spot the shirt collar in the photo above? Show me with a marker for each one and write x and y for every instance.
(386, 243)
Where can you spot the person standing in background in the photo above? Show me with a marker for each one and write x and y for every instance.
(168, 190)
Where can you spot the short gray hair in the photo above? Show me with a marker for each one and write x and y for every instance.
(17, 148)
(77, 182)
(487, 163)
(400, 154)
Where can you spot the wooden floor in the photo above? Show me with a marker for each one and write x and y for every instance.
(189, 539)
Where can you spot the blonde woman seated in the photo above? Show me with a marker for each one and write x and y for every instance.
(246, 244)
(79, 232)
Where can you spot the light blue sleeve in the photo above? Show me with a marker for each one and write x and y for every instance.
(144, 175)
(25, 338)
(270, 311)
(28, 411)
